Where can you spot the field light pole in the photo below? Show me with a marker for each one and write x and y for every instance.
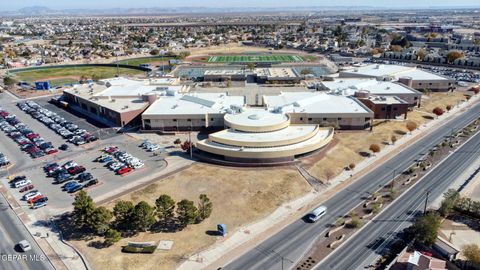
(393, 179)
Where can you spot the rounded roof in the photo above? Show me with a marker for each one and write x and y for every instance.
(257, 120)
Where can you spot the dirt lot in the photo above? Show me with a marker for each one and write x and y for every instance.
(352, 143)
(462, 230)
(239, 197)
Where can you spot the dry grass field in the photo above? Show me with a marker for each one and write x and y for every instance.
(239, 197)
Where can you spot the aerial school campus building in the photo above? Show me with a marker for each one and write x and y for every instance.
(285, 126)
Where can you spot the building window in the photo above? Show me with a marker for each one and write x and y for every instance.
(174, 120)
(415, 98)
(211, 119)
(419, 83)
(324, 119)
(339, 119)
(430, 83)
(383, 109)
(394, 108)
(309, 119)
(189, 120)
(301, 118)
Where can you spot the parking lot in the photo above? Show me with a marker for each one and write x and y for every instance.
(146, 163)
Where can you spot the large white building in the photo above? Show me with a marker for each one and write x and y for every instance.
(262, 137)
(411, 76)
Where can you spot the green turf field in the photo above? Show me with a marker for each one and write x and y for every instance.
(255, 58)
(74, 72)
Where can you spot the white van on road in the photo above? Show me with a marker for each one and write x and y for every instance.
(316, 214)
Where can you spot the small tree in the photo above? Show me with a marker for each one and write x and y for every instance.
(154, 52)
(251, 66)
(351, 166)
(111, 237)
(411, 126)
(392, 194)
(186, 146)
(143, 216)
(205, 208)
(187, 213)
(393, 138)
(83, 209)
(355, 222)
(122, 211)
(8, 81)
(100, 220)
(375, 148)
(426, 228)
(448, 107)
(472, 253)
(328, 173)
(165, 207)
(454, 55)
(177, 141)
(437, 111)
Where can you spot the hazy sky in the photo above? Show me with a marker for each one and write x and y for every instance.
(93, 4)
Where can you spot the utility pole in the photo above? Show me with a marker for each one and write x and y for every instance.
(190, 139)
(282, 258)
(426, 202)
(393, 179)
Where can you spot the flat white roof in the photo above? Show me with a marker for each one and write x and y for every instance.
(289, 133)
(315, 102)
(396, 71)
(256, 118)
(194, 104)
(350, 86)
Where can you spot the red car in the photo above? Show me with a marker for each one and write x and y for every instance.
(4, 113)
(26, 188)
(111, 149)
(51, 151)
(36, 198)
(31, 136)
(76, 170)
(124, 170)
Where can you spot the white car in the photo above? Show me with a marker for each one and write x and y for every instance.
(137, 165)
(153, 147)
(31, 194)
(24, 245)
(22, 183)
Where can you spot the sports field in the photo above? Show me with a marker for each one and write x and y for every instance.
(255, 58)
(72, 73)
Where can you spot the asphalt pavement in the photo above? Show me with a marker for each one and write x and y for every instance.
(12, 231)
(290, 244)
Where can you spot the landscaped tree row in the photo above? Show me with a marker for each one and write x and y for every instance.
(127, 219)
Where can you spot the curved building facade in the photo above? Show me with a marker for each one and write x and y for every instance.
(264, 137)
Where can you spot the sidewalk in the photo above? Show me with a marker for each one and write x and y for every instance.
(225, 251)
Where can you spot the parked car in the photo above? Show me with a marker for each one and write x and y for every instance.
(85, 176)
(91, 183)
(63, 147)
(31, 194)
(76, 170)
(38, 205)
(22, 183)
(124, 170)
(75, 188)
(26, 188)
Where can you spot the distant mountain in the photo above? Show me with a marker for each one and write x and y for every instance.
(44, 11)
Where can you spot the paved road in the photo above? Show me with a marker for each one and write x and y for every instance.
(289, 245)
(368, 245)
(12, 232)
